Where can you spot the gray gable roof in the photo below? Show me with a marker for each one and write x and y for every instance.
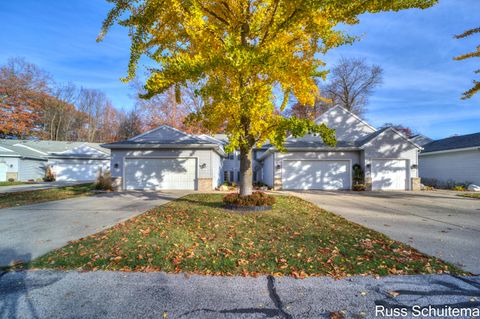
(454, 142)
(47, 149)
(163, 135)
(7, 150)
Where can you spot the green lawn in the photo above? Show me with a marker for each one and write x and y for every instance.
(12, 183)
(470, 195)
(43, 195)
(195, 234)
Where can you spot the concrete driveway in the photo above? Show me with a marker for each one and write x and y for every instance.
(438, 223)
(38, 186)
(27, 232)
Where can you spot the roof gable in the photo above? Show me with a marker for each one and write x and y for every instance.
(348, 126)
(386, 136)
(166, 135)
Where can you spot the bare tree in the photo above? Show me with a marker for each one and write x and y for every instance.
(93, 104)
(351, 83)
(130, 125)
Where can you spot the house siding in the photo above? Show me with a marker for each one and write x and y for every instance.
(390, 145)
(268, 170)
(347, 127)
(217, 177)
(204, 157)
(31, 169)
(459, 167)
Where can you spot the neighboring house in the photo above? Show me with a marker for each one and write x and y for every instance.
(388, 158)
(20, 163)
(452, 160)
(70, 161)
(166, 158)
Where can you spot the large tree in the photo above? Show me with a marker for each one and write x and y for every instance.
(24, 90)
(240, 53)
(475, 54)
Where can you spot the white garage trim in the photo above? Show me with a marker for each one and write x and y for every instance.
(348, 166)
(126, 158)
(394, 185)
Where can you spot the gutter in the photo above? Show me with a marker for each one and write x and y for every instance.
(309, 149)
(215, 147)
(474, 148)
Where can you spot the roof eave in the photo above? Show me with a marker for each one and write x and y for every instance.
(452, 150)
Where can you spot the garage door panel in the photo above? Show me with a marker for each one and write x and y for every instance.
(389, 174)
(157, 173)
(316, 174)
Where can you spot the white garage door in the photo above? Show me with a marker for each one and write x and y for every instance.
(3, 172)
(160, 173)
(316, 174)
(389, 174)
(76, 171)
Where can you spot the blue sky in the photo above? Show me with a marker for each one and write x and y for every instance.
(422, 84)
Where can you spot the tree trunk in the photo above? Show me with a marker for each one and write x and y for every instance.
(246, 169)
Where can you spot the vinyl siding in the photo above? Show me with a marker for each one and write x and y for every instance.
(31, 169)
(390, 145)
(460, 167)
(118, 156)
(11, 162)
(217, 178)
(268, 170)
(347, 127)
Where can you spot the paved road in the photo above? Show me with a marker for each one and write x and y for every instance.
(27, 232)
(438, 223)
(37, 186)
(48, 294)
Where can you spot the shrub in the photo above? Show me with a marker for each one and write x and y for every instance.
(256, 199)
(104, 181)
(358, 187)
(459, 188)
(11, 180)
(358, 176)
(49, 177)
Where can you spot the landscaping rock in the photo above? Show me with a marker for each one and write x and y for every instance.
(473, 188)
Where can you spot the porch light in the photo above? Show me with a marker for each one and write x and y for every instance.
(278, 166)
(414, 166)
(368, 166)
(203, 165)
(115, 165)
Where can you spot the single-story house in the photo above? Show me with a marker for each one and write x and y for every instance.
(26, 160)
(450, 161)
(166, 158)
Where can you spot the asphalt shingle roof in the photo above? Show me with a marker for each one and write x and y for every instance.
(454, 142)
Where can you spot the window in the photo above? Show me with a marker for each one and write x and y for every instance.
(238, 176)
(255, 176)
(225, 176)
(231, 156)
(231, 176)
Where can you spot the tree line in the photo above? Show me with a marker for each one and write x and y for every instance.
(34, 105)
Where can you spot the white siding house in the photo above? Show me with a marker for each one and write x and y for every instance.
(451, 161)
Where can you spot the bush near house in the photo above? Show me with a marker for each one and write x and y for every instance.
(49, 176)
(256, 199)
(104, 181)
